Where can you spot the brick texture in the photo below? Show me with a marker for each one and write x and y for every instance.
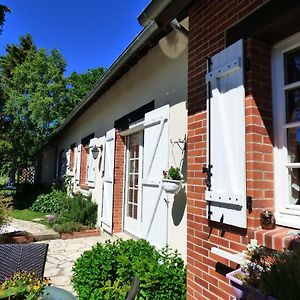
(208, 23)
(83, 167)
(118, 183)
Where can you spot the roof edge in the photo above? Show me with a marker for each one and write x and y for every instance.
(139, 40)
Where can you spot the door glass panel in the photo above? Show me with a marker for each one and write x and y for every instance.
(294, 177)
(134, 143)
(293, 105)
(293, 141)
(292, 66)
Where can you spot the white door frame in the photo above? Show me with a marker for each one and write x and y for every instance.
(131, 225)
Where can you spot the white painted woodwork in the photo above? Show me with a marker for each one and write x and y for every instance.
(77, 165)
(226, 202)
(131, 224)
(154, 208)
(91, 164)
(285, 214)
(235, 257)
(108, 182)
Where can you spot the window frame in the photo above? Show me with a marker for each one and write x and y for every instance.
(285, 213)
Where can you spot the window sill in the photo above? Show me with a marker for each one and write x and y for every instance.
(84, 187)
(277, 239)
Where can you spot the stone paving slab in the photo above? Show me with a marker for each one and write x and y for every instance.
(39, 231)
(62, 255)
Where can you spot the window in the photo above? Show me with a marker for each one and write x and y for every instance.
(134, 172)
(286, 97)
(83, 182)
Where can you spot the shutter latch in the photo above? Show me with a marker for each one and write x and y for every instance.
(207, 171)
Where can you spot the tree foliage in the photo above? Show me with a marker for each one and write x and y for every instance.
(80, 84)
(3, 10)
(35, 98)
(35, 104)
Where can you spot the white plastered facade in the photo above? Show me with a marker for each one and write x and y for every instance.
(161, 75)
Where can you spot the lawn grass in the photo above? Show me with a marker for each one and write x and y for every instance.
(28, 215)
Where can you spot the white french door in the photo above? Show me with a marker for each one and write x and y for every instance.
(134, 163)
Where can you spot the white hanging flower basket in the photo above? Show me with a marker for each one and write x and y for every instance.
(171, 186)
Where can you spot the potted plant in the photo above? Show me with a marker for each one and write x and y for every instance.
(172, 180)
(267, 274)
(23, 285)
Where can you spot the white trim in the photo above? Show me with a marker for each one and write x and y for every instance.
(235, 257)
(284, 212)
(133, 128)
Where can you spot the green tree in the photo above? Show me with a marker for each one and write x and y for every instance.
(80, 84)
(35, 97)
(15, 56)
(3, 10)
(35, 105)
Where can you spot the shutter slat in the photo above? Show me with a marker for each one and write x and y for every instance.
(154, 208)
(227, 197)
(108, 182)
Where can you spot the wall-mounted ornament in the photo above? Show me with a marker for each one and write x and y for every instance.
(267, 220)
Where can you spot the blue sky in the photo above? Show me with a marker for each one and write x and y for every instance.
(88, 33)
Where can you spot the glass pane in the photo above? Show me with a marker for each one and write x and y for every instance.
(293, 139)
(294, 186)
(129, 210)
(292, 66)
(134, 214)
(293, 105)
(135, 199)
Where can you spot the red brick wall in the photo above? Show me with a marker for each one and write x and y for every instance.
(208, 20)
(118, 183)
(72, 158)
(83, 166)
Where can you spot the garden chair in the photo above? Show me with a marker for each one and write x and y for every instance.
(134, 289)
(22, 257)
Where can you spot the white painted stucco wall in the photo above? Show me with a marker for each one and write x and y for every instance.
(161, 76)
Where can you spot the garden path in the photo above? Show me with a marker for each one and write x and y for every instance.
(63, 253)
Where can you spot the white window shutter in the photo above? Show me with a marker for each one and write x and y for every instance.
(68, 159)
(91, 164)
(226, 200)
(108, 182)
(77, 166)
(154, 208)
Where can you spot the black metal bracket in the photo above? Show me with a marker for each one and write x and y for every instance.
(249, 203)
(207, 171)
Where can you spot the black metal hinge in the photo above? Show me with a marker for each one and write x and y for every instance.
(207, 171)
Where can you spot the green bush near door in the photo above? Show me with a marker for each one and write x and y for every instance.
(106, 272)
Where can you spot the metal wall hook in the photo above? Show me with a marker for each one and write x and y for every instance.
(181, 143)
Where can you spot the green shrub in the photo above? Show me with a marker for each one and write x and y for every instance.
(79, 209)
(50, 203)
(5, 203)
(68, 227)
(106, 272)
(282, 279)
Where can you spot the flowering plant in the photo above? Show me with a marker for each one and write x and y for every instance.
(173, 174)
(23, 286)
(271, 272)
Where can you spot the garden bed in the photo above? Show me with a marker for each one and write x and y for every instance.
(20, 237)
(80, 234)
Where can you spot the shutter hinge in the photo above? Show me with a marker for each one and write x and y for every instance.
(249, 203)
(207, 171)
